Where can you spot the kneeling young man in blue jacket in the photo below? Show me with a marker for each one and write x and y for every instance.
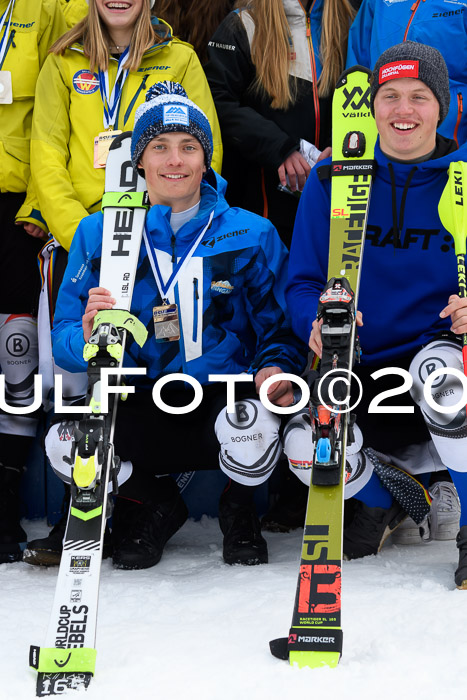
(411, 316)
(224, 270)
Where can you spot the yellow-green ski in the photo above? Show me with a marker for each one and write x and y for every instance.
(315, 637)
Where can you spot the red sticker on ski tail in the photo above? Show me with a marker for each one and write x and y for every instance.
(332, 588)
(304, 588)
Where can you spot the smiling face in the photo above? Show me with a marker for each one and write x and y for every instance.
(120, 16)
(173, 165)
(407, 114)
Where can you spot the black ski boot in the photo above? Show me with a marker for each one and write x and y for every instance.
(141, 530)
(369, 529)
(288, 512)
(11, 532)
(243, 542)
(47, 551)
(460, 576)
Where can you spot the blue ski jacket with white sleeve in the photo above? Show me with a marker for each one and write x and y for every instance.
(231, 302)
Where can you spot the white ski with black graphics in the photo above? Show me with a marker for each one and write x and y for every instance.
(67, 659)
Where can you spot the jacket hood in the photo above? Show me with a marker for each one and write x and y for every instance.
(216, 181)
(446, 152)
(213, 187)
(295, 8)
(400, 176)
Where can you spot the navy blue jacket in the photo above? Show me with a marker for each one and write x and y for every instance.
(407, 276)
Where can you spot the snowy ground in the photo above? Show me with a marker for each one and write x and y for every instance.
(192, 628)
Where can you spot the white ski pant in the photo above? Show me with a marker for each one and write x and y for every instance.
(58, 446)
(74, 384)
(19, 365)
(249, 444)
(448, 444)
(448, 430)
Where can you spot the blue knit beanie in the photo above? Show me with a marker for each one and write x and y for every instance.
(167, 108)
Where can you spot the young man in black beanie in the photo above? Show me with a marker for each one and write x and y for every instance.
(412, 315)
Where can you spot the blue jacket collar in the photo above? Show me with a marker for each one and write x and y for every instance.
(212, 198)
(425, 171)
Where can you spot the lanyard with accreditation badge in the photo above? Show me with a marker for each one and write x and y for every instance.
(6, 89)
(111, 104)
(166, 318)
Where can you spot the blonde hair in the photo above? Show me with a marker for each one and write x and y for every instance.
(270, 49)
(335, 25)
(92, 32)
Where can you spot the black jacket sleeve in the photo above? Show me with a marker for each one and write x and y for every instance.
(231, 76)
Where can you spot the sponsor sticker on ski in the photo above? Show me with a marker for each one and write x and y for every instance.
(80, 565)
(76, 596)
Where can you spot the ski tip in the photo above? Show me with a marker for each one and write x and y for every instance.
(117, 140)
(353, 69)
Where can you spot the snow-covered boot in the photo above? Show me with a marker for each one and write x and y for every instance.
(140, 531)
(370, 528)
(288, 512)
(47, 551)
(460, 576)
(445, 510)
(243, 542)
(11, 532)
(410, 533)
(442, 522)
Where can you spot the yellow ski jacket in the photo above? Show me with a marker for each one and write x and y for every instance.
(69, 115)
(74, 11)
(35, 25)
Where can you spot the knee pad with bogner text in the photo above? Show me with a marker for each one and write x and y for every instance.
(446, 389)
(448, 430)
(249, 442)
(19, 364)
